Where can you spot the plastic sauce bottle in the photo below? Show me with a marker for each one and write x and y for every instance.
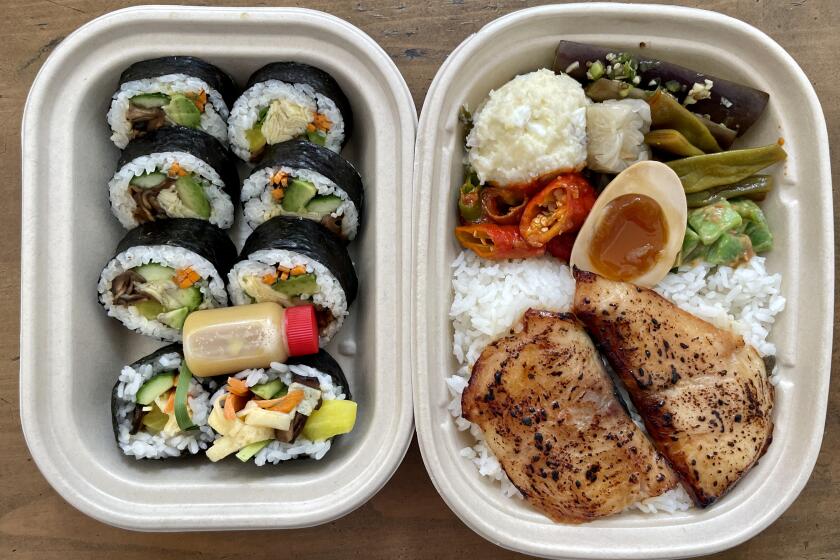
(230, 339)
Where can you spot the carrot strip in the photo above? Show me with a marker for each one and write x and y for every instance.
(237, 387)
(277, 194)
(176, 170)
(233, 404)
(169, 407)
(283, 404)
(298, 270)
(270, 278)
(186, 277)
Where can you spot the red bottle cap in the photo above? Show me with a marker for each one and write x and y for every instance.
(301, 330)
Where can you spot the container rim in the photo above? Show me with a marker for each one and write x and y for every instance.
(79, 493)
(426, 418)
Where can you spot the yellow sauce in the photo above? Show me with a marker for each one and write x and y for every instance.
(232, 339)
(629, 237)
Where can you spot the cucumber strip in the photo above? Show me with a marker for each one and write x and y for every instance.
(181, 414)
(251, 449)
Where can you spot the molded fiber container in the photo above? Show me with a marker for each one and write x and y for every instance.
(799, 210)
(72, 353)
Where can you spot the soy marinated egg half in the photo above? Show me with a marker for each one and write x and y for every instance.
(636, 227)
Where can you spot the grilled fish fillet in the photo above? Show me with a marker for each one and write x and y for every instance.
(702, 392)
(550, 414)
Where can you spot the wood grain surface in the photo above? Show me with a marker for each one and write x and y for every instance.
(407, 519)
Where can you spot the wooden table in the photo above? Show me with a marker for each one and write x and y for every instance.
(407, 519)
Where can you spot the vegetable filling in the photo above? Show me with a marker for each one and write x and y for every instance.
(159, 292)
(291, 195)
(288, 287)
(284, 120)
(163, 407)
(150, 111)
(170, 193)
(249, 418)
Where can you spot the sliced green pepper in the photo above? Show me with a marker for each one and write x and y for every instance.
(671, 141)
(710, 222)
(690, 242)
(756, 226)
(730, 249)
(469, 200)
(666, 112)
(182, 415)
(699, 173)
(755, 187)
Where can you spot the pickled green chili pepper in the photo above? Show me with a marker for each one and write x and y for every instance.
(755, 187)
(604, 89)
(671, 141)
(699, 173)
(666, 112)
(469, 199)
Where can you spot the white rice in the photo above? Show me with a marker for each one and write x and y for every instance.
(247, 108)
(144, 445)
(330, 293)
(212, 287)
(490, 296)
(259, 206)
(123, 205)
(277, 451)
(213, 118)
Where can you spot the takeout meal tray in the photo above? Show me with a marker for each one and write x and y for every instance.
(71, 353)
(800, 210)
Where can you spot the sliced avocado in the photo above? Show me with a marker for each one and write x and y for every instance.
(192, 195)
(148, 180)
(187, 297)
(323, 205)
(153, 272)
(155, 387)
(175, 318)
(251, 449)
(317, 138)
(255, 138)
(149, 309)
(297, 195)
(150, 100)
(183, 111)
(268, 390)
(155, 420)
(297, 285)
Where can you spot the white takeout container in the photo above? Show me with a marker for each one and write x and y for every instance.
(71, 352)
(799, 210)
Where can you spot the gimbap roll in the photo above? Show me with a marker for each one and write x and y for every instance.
(172, 90)
(174, 172)
(291, 261)
(163, 271)
(159, 410)
(288, 411)
(287, 100)
(299, 178)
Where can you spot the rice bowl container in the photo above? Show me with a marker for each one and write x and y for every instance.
(800, 209)
(71, 353)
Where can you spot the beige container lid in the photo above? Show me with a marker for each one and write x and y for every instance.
(799, 209)
(71, 353)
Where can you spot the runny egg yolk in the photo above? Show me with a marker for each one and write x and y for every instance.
(629, 237)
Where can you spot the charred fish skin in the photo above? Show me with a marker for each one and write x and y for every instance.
(549, 412)
(703, 393)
